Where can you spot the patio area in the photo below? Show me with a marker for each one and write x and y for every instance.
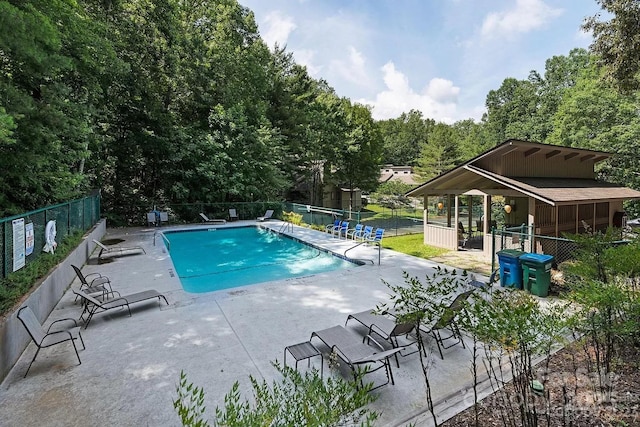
(131, 365)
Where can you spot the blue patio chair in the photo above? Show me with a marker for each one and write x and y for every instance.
(366, 233)
(344, 227)
(331, 227)
(377, 237)
(354, 232)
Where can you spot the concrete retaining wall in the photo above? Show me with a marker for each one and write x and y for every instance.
(13, 336)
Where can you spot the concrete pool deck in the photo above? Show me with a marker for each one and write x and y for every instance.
(131, 365)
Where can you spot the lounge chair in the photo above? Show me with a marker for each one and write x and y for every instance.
(213, 220)
(267, 215)
(386, 328)
(93, 305)
(47, 338)
(375, 237)
(233, 215)
(151, 218)
(98, 284)
(164, 217)
(356, 232)
(448, 320)
(120, 250)
(349, 347)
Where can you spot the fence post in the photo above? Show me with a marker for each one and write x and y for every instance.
(493, 249)
(533, 237)
(395, 212)
(68, 218)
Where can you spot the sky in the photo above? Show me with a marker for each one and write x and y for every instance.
(441, 57)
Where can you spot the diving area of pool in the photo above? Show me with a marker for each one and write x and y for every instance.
(213, 259)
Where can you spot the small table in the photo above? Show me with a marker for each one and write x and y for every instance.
(301, 351)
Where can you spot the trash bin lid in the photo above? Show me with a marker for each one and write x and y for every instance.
(510, 253)
(539, 258)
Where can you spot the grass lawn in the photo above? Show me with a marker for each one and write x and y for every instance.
(412, 244)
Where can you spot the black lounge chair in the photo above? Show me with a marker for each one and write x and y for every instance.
(48, 338)
(98, 285)
(93, 305)
(348, 346)
(448, 320)
(386, 328)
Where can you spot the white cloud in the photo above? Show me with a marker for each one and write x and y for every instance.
(442, 90)
(438, 100)
(306, 57)
(353, 68)
(279, 26)
(526, 16)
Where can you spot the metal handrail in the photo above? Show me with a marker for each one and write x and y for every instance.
(166, 239)
(286, 226)
(363, 259)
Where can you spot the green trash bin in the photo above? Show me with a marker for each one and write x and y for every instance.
(536, 273)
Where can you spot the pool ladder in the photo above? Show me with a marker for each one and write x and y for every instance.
(287, 226)
(364, 259)
(168, 243)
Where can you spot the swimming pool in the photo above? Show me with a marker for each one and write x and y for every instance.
(222, 258)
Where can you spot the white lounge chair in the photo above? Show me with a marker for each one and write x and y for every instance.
(119, 250)
(267, 215)
(213, 220)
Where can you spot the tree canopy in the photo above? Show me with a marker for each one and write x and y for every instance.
(172, 102)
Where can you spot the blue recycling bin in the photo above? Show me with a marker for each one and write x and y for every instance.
(536, 273)
(510, 268)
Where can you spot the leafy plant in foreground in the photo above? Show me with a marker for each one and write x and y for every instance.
(423, 303)
(296, 400)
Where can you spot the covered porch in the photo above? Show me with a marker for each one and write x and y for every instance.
(556, 194)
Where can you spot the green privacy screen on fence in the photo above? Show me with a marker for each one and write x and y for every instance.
(76, 215)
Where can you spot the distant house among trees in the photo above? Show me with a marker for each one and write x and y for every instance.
(398, 173)
(339, 197)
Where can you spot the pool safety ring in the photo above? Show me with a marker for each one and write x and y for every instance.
(50, 237)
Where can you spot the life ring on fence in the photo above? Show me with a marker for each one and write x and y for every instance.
(50, 237)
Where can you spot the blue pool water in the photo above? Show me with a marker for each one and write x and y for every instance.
(223, 258)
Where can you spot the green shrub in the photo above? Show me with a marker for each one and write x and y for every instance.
(296, 400)
(292, 217)
(17, 284)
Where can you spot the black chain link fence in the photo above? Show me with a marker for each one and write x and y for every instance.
(76, 215)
